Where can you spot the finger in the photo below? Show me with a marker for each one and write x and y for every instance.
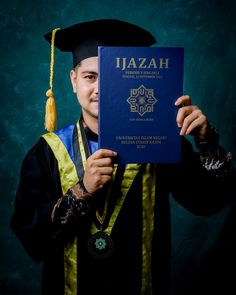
(98, 182)
(183, 113)
(103, 153)
(183, 100)
(105, 171)
(192, 121)
(103, 162)
(97, 169)
(98, 163)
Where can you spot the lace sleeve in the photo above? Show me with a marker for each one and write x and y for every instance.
(70, 210)
(213, 157)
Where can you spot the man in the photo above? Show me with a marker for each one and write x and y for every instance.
(100, 228)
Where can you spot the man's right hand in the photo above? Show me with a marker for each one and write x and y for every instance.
(98, 170)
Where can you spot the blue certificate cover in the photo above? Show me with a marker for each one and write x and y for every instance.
(137, 90)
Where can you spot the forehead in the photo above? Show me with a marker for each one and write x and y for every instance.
(89, 63)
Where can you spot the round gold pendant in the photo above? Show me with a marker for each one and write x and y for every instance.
(100, 245)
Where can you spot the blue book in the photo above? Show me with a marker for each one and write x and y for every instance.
(137, 90)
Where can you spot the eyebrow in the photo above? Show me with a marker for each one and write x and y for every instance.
(89, 72)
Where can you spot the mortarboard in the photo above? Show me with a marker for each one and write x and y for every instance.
(83, 39)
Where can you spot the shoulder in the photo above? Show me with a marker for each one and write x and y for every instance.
(64, 135)
(39, 156)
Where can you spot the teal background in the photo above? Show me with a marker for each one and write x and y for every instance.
(206, 29)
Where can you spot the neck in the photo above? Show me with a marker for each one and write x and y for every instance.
(91, 123)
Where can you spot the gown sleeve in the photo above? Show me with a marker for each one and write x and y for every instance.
(38, 192)
(203, 182)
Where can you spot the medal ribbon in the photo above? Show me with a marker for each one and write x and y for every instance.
(129, 175)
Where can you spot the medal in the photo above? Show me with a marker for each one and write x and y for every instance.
(100, 245)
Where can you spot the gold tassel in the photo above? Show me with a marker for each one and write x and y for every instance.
(50, 111)
(50, 115)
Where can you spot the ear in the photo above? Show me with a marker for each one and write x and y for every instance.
(73, 77)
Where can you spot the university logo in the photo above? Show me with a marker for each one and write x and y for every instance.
(141, 100)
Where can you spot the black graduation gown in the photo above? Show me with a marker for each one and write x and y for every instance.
(39, 189)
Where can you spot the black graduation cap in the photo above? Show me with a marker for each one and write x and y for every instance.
(84, 38)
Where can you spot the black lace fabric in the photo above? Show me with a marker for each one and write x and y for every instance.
(213, 157)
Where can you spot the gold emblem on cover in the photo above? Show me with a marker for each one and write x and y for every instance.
(141, 100)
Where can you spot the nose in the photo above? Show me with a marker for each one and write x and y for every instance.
(96, 87)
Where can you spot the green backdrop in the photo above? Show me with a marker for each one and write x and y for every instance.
(207, 31)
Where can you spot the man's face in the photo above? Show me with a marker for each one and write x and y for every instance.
(85, 84)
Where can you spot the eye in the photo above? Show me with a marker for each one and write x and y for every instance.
(90, 77)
